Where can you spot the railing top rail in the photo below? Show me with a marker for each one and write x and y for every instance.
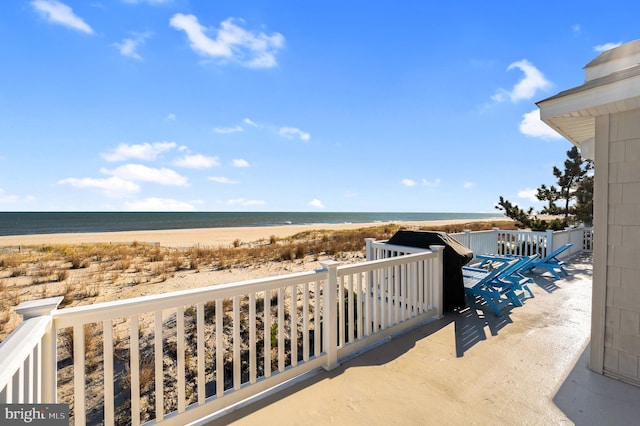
(395, 247)
(389, 261)
(521, 232)
(485, 231)
(19, 345)
(138, 305)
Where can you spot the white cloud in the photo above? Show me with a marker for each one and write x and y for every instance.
(197, 161)
(145, 151)
(526, 88)
(171, 117)
(606, 46)
(576, 28)
(239, 162)
(159, 204)
(469, 185)
(529, 194)
(531, 125)
(431, 184)
(292, 132)
(228, 130)
(244, 202)
(316, 203)
(6, 198)
(59, 13)
(138, 172)
(253, 50)
(408, 182)
(222, 179)
(129, 46)
(251, 123)
(113, 187)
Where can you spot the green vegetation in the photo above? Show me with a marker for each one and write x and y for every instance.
(571, 202)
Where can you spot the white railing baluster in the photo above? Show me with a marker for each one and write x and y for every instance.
(387, 302)
(397, 294)
(376, 295)
(220, 349)
(281, 330)
(351, 316)
(294, 325)
(30, 391)
(78, 375)
(180, 348)
(305, 322)
(360, 305)
(316, 319)
(267, 333)
(134, 367)
(408, 302)
(107, 345)
(20, 384)
(236, 343)
(200, 348)
(159, 366)
(341, 321)
(368, 305)
(252, 338)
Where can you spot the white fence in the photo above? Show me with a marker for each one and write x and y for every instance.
(180, 356)
(527, 243)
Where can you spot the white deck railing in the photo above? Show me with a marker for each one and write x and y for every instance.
(527, 243)
(191, 353)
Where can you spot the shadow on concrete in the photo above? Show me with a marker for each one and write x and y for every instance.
(379, 355)
(469, 330)
(588, 398)
(470, 325)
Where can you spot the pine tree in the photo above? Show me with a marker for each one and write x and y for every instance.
(572, 198)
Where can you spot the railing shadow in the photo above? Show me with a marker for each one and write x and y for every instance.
(546, 283)
(470, 328)
(471, 322)
(469, 325)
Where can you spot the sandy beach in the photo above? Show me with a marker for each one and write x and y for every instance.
(212, 237)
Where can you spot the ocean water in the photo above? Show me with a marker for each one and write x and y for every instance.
(23, 223)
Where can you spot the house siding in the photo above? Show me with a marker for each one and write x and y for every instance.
(622, 307)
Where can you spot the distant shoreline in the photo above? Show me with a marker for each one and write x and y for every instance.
(212, 237)
(26, 223)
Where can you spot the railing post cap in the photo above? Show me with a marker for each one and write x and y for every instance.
(329, 264)
(437, 247)
(38, 308)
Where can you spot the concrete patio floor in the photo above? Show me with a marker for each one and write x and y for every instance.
(527, 368)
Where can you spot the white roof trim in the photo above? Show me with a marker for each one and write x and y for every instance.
(573, 115)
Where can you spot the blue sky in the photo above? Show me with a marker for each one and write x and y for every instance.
(120, 105)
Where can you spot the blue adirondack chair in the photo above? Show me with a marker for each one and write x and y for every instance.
(511, 276)
(551, 262)
(479, 282)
